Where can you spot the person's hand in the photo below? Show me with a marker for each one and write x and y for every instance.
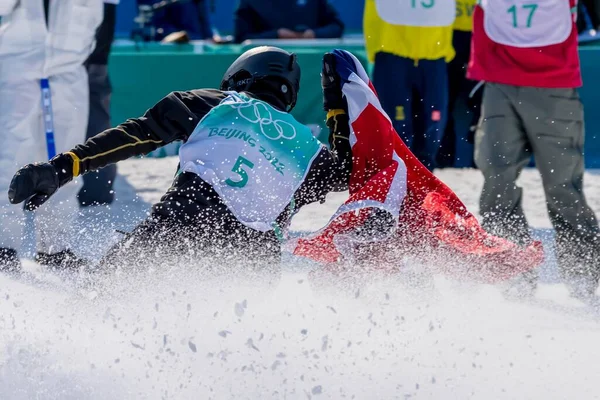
(37, 182)
(218, 39)
(284, 33)
(308, 34)
(331, 83)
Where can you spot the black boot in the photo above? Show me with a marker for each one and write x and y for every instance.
(9, 261)
(64, 260)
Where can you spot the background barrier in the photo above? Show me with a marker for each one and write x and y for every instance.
(143, 74)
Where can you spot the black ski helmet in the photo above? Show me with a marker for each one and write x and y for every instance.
(265, 63)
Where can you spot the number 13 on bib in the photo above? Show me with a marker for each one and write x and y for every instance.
(527, 23)
(425, 13)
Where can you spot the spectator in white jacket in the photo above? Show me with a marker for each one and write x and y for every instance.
(44, 105)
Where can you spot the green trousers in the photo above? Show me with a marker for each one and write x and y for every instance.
(516, 123)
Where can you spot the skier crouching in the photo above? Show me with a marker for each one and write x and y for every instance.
(245, 167)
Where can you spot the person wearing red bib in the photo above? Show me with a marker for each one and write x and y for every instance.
(526, 52)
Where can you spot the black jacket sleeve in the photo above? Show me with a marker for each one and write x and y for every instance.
(593, 9)
(330, 172)
(330, 24)
(104, 36)
(173, 118)
(248, 24)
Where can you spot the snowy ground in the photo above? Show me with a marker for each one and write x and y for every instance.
(175, 333)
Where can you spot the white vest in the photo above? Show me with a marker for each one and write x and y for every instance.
(254, 156)
(527, 23)
(417, 12)
(32, 49)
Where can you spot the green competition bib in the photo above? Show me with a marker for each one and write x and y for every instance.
(253, 155)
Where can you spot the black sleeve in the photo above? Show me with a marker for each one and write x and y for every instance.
(593, 8)
(173, 118)
(204, 19)
(248, 24)
(104, 36)
(330, 24)
(330, 172)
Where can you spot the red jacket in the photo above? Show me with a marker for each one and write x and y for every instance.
(525, 44)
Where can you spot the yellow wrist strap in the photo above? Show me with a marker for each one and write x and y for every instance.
(75, 163)
(333, 113)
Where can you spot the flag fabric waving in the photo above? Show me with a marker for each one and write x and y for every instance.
(423, 216)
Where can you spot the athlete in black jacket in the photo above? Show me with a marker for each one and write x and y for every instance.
(215, 206)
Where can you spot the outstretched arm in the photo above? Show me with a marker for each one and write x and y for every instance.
(330, 172)
(169, 120)
(338, 123)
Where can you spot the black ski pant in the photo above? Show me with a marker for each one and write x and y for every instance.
(216, 235)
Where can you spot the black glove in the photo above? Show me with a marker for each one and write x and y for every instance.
(37, 182)
(331, 84)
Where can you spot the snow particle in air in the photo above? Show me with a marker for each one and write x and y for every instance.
(192, 346)
(250, 344)
(240, 307)
(137, 346)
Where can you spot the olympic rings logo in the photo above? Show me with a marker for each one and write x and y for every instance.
(258, 113)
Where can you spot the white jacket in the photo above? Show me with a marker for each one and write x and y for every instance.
(32, 49)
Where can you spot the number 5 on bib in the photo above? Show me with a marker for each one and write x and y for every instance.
(238, 169)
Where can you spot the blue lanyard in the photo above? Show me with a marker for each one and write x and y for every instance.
(48, 117)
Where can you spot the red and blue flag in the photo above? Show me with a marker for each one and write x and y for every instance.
(424, 216)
